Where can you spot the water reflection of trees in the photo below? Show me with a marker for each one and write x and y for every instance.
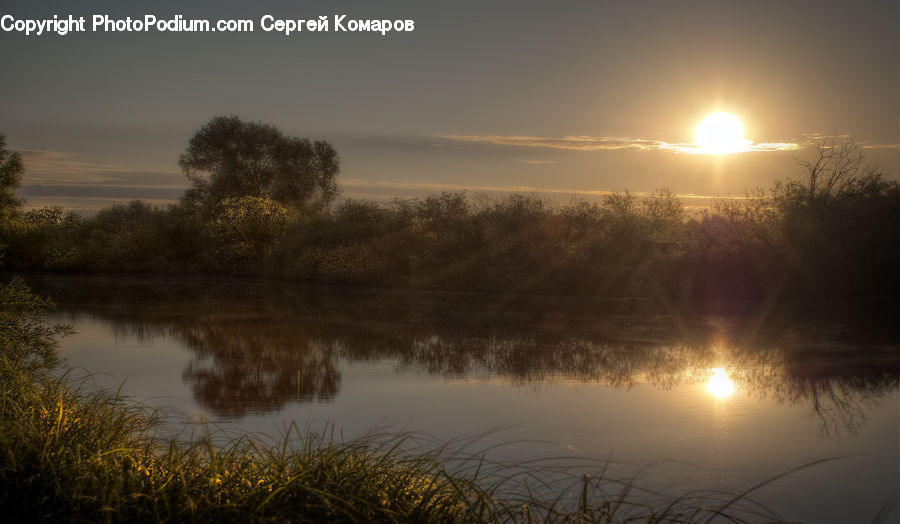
(257, 352)
(243, 362)
(240, 368)
(839, 391)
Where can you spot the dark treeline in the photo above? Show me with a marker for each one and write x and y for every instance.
(262, 204)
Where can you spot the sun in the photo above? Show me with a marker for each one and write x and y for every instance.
(721, 133)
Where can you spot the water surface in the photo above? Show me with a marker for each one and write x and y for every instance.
(721, 396)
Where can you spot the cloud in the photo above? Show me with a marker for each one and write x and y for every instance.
(87, 206)
(746, 147)
(881, 146)
(128, 192)
(535, 162)
(59, 167)
(41, 161)
(576, 143)
(61, 178)
(602, 143)
(358, 186)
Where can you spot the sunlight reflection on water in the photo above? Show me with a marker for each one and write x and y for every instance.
(720, 384)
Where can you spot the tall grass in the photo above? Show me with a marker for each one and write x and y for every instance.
(69, 452)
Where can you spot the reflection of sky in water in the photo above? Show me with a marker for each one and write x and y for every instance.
(723, 418)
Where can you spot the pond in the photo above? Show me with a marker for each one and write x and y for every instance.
(680, 399)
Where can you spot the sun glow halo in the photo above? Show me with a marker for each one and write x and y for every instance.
(721, 133)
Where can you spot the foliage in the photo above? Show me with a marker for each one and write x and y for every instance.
(126, 237)
(243, 231)
(229, 158)
(44, 238)
(840, 224)
(837, 165)
(11, 169)
(27, 340)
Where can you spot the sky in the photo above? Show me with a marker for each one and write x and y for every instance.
(561, 99)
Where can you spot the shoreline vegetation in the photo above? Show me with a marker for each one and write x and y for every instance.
(265, 205)
(70, 452)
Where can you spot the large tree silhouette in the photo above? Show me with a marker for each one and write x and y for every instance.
(229, 158)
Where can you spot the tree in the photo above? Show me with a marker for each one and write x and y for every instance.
(11, 169)
(838, 164)
(228, 158)
(841, 223)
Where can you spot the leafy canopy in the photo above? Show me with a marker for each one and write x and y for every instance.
(11, 169)
(229, 158)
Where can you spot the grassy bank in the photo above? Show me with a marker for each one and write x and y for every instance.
(68, 452)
